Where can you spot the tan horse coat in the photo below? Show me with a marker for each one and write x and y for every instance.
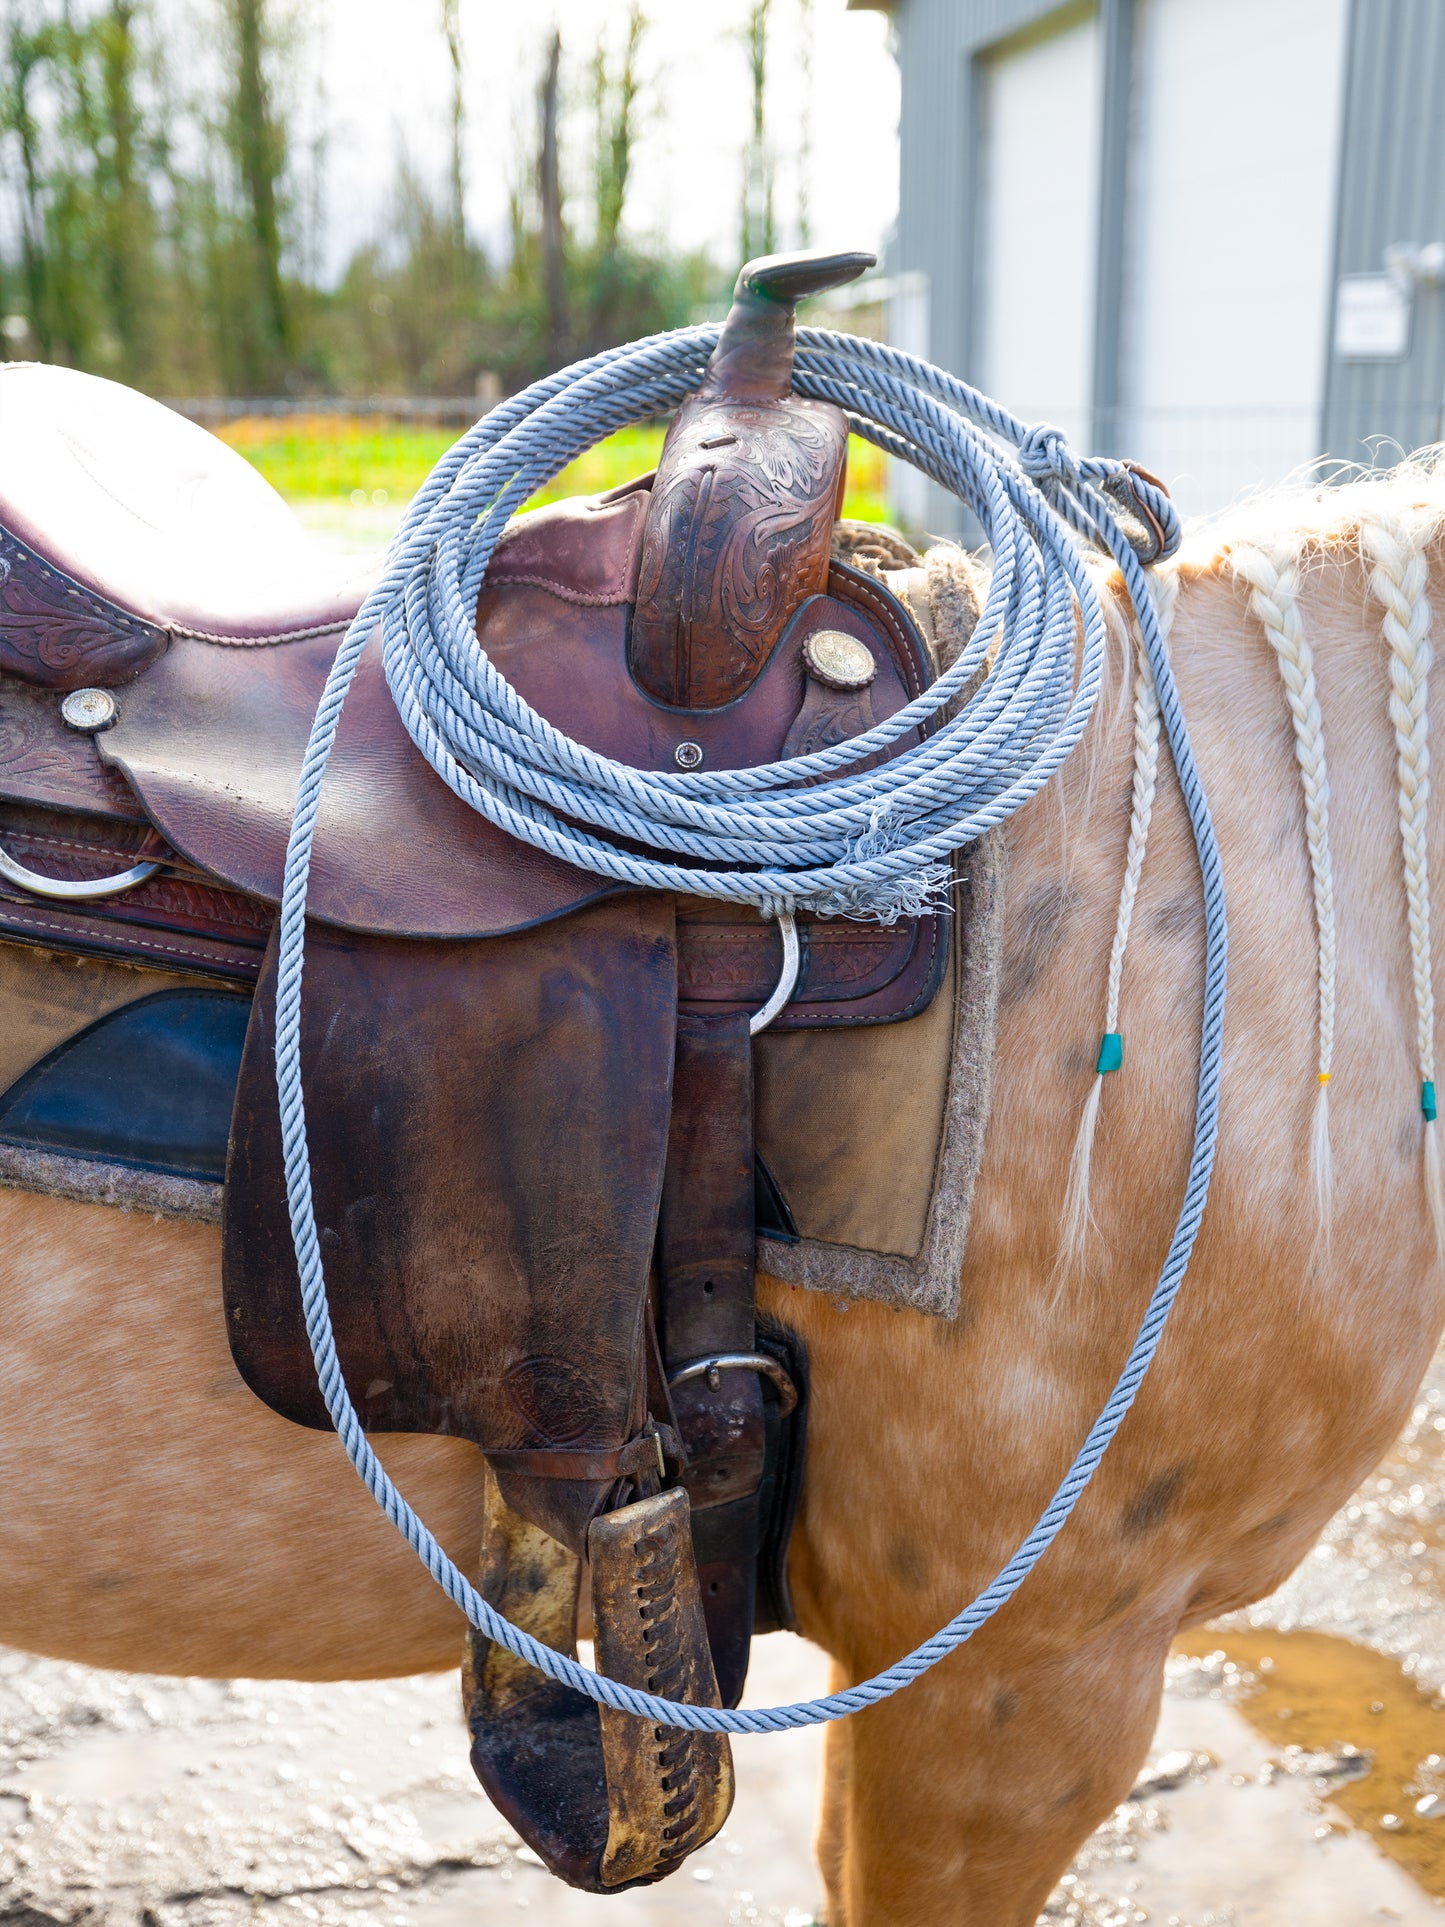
(157, 1517)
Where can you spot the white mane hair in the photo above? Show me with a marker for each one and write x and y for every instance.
(1270, 542)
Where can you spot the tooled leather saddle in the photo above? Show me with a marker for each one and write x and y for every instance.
(529, 1090)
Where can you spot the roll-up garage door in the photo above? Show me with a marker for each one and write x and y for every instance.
(1039, 189)
(1228, 239)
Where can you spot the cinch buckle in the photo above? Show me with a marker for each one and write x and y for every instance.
(713, 1368)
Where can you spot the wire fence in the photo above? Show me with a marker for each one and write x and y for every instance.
(430, 411)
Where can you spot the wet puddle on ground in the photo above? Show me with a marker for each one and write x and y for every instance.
(1370, 1716)
(1352, 1722)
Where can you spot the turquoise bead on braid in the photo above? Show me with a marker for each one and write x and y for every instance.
(1427, 1100)
(1111, 1055)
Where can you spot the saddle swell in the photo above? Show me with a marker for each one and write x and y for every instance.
(530, 1090)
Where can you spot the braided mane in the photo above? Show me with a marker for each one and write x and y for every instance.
(1270, 544)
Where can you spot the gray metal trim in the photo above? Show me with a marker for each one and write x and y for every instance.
(1116, 20)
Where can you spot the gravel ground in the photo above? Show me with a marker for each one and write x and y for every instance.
(194, 1803)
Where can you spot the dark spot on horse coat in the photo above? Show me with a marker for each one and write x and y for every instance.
(1119, 1604)
(1081, 1058)
(1154, 1504)
(1271, 1526)
(1073, 1796)
(1179, 916)
(1042, 924)
(908, 1565)
(1005, 1707)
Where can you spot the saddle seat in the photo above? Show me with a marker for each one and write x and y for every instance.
(158, 518)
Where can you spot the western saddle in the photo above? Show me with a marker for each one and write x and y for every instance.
(530, 1090)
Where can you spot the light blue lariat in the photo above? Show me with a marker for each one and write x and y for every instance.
(872, 843)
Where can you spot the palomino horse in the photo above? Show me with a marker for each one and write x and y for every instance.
(158, 1517)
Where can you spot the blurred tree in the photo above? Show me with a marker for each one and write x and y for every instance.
(154, 188)
(256, 136)
(452, 28)
(24, 56)
(806, 30)
(69, 106)
(410, 315)
(128, 215)
(758, 233)
(549, 192)
(615, 111)
(614, 102)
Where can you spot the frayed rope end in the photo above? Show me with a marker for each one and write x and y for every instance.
(929, 891)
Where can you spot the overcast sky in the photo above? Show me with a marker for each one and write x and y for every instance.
(386, 86)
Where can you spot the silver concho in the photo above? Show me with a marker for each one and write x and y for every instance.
(89, 710)
(838, 661)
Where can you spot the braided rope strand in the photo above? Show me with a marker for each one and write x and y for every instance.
(1273, 581)
(1032, 703)
(1398, 580)
(1078, 1219)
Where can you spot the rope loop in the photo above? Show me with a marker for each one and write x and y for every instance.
(1045, 456)
(868, 842)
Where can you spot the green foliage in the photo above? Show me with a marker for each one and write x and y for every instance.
(340, 457)
(615, 105)
(348, 458)
(256, 143)
(156, 223)
(84, 162)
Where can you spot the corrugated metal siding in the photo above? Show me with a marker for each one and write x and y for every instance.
(1392, 188)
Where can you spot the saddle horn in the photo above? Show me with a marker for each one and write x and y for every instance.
(740, 524)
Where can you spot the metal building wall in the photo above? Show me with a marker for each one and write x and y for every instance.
(1391, 189)
(938, 169)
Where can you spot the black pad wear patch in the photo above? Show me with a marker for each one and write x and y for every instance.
(151, 1085)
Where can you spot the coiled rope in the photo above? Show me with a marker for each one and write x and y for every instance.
(871, 844)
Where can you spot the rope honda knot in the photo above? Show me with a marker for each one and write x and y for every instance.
(1045, 456)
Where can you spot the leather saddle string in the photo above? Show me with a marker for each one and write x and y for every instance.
(1022, 715)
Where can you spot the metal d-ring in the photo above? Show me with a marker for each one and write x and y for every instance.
(788, 980)
(713, 1368)
(42, 886)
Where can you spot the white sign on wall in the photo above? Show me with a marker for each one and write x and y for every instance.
(1372, 318)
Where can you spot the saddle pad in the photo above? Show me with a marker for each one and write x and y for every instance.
(875, 1137)
(120, 1150)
